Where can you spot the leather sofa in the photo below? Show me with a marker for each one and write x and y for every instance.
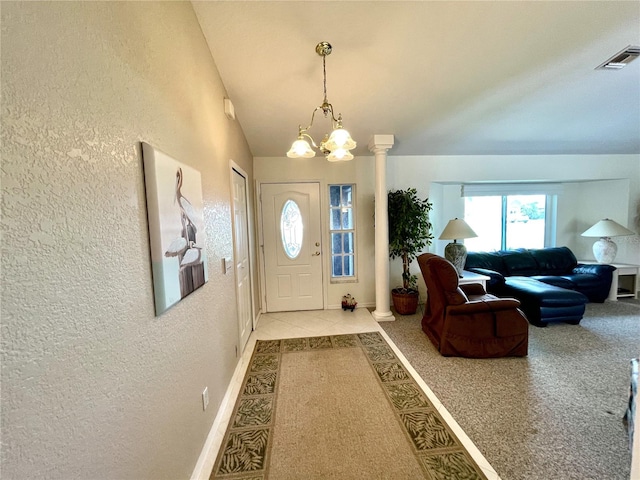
(549, 282)
(465, 321)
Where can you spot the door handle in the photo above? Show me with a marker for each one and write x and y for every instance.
(315, 254)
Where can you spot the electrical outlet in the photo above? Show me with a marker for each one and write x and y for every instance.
(205, 398)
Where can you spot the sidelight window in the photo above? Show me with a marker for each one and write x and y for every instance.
(342, 231)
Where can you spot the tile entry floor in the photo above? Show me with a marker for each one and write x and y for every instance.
(272, 326)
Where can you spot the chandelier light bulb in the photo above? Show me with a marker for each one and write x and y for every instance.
(340, 137)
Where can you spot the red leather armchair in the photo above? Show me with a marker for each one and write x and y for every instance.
(465, 321)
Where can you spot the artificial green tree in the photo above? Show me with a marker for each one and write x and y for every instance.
(409, 231)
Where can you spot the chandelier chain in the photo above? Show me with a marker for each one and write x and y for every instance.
(324, 74)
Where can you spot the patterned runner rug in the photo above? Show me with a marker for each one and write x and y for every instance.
(341, 407)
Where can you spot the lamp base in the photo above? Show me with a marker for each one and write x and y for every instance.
(456, 253)
(605, 250)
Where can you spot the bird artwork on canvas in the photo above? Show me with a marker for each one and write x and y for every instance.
(184, 247)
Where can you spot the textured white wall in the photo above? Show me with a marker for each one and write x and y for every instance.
(93, 384)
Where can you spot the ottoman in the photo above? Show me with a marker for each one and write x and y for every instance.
(543, 303)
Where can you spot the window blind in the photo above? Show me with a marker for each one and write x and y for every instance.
(500, 189)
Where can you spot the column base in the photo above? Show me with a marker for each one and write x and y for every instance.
(383, 316)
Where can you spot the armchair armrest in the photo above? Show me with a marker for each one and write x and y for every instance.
(478, 306)
(473, 289)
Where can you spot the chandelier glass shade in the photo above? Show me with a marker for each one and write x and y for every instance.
(301, 149)
(340, 155)
(335, 146)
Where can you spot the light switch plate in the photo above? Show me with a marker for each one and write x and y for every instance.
(205, 398)
(227, 264)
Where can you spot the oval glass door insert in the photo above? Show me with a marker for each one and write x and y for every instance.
(291, 229)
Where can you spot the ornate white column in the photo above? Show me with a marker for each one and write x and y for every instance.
(379, 145)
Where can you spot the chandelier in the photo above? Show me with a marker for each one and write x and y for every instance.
(335, 146)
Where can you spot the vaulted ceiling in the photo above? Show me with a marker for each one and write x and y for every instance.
(445, 77)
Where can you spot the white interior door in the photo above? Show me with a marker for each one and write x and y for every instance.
(292, 246)
(241, 257)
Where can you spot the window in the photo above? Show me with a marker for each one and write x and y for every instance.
(509, 216)
(291, 229)
(342, 231)
(506, 222)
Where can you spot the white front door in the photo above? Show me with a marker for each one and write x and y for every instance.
(241, 258)
(292, 246)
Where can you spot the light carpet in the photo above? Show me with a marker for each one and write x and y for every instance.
(339, 407)
(556, 414)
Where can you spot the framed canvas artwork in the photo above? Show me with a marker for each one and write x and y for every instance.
(176, 227)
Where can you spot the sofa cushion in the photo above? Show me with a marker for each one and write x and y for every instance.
(556, 280)
(554, 261)
(519, 262)
(543, 293)
(486, 260)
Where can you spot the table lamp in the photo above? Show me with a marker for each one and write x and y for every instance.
(456, 252)
(605, 249)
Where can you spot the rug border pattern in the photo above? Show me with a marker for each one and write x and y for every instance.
(246, 448)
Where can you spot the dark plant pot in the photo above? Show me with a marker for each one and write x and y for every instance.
(405, 303)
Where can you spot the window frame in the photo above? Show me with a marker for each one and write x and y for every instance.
(342, 278)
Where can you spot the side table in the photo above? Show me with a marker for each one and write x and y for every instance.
(471, 277)
(624, 283)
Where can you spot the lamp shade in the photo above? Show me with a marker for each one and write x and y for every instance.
(607, 228)
(457, 228)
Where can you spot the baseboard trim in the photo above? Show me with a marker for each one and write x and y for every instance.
(338, 306)
(204, 465)
(257, 319)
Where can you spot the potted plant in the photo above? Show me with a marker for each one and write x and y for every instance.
(409, 234)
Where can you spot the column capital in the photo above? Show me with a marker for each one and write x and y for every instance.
(381, 142)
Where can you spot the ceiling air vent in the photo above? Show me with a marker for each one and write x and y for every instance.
(620, 59)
